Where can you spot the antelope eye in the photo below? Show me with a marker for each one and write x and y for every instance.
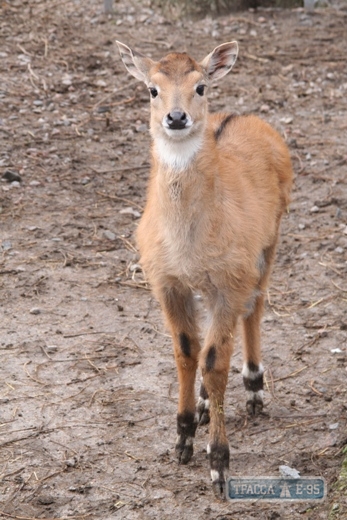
(153, 92)
(200, 89)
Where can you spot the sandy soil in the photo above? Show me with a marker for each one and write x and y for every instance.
(88, 385)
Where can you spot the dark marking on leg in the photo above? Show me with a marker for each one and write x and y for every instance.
(186, 428)
(185, 344)
(252, 367)
(211, 358)
(186, 424)
(203, 391)
(223, 124)
(203, 406)
(254, 383)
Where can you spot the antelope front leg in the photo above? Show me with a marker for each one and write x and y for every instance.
(215, 362)
(178, 305)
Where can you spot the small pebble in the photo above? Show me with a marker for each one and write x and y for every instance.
(141, 128)
(287, 120)
(333, 426)
(109, 235)
(35, 310)
(71, 463)
(11, 176)
(50, 349)
(288, 472)
(135, 268)
(6, 245)
(45, 500)
(314, 209)
(130, 211)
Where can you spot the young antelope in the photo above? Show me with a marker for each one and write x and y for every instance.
(218, 188)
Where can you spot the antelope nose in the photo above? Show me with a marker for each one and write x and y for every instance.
(176, 120)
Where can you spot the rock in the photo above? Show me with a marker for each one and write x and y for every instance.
(71, 463)
(35, 310)
(141, 128)
(333, 426)
(45, 500)
(288, 472)
(109, 235)
(51, 349)
(67, 80)
(11, 176)
(130, 211)
(287, 120)
(135, 268)
(6, 245)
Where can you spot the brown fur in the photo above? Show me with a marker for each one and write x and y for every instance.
(211, 227)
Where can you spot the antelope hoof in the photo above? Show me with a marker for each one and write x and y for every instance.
(219, 486)
(184, 449)
(219, 461)
(254, 405)
(203, 411)
(186, 428)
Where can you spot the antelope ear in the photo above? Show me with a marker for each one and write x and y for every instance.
(135, 63)
(221, 60)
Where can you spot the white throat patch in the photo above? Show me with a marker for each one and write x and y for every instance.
(177, 154)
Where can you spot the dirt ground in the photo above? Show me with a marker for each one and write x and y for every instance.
(88, 383)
